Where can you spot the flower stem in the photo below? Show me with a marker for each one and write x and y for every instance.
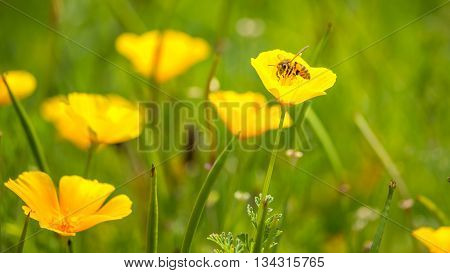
(152, 224)
(29, 130)
(127, 16)
(380, 230)
(219, 48)
(24, 234)
(90, 154)
(273, 157)
(197, 211)
(266, 185)
(257, 247)
(69, 245)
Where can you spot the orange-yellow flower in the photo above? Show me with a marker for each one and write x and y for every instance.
(294, 89)
(87, 119)
(437, 241)
(176, 52)
(79, 206)
(247, 113)
(21, 83)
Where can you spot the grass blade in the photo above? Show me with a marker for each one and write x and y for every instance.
(381, 153)
(197, 211)
(24, 234)
(29, 130)
(380, 230)
(323, 41)
(153, 217)
(431, 206)
(327, 144)
(127, 15)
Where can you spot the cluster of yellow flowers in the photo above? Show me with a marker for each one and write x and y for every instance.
(89, 120)
(92, 119)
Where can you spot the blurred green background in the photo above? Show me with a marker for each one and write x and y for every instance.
(399, 85)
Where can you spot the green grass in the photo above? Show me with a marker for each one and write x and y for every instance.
(399, 85)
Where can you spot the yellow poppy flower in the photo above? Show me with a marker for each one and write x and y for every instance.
(21, 83)
(79, 206)
(293, 89)
(87, 119)
(247, 113)
(177, 52)
(437, 241)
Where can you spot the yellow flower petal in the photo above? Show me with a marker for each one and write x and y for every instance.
(140, 50)
(117, 208)
(247, 113)
(79, 206)
(69, 125)
(21, 83)
(36, 189)
(298, 89)
(111, 118)
(177, 52)
(80, 197)
(437, 241)
(90, 118)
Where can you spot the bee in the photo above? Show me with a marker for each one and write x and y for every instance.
(288, 68)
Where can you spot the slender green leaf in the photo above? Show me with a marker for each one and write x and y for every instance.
(384, 215)
(197, 211)
(127, 15)
(153, 217)
(381, 153)
(327, 143)
(433, 208)
(29, 131)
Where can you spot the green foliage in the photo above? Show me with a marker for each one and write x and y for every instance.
(243, 243)
(400, 87)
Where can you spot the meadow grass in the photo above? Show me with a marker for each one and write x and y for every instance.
(398, 85)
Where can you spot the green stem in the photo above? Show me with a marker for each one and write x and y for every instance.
(257, 248)
(382, 154)
(29, 130)
(268, 177)
(127, 15)
(69, 245)
(152, 224)
(273, 157)
(90, 154)
(24, 234)
(384, 215)
(197, 211)
(219, 47)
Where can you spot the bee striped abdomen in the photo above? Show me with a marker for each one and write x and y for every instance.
(289, 70)
(302, 71)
